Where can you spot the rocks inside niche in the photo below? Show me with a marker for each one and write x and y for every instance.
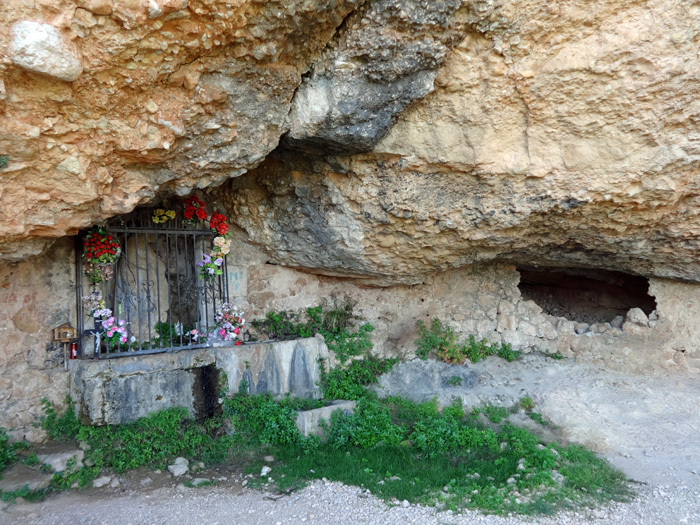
(585, 296)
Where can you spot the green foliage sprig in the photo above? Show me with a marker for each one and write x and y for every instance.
(344, 334)
(154, 441)
(441, 340)
(351, 381)
(7, 450)
(263, 419)
(63, 427)
(369, 425)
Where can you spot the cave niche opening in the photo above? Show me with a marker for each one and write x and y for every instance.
(585, 295)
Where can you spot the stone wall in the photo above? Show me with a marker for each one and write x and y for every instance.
(484, 300)
(36, 296)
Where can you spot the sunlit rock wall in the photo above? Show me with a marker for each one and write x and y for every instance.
(106, 103)
(558, 134)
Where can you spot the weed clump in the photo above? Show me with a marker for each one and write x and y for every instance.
(351, 381)
(63, 427)
(345, 335)
(8, 449)
(441, 340)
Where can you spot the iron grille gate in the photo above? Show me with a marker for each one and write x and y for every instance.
(155, 289)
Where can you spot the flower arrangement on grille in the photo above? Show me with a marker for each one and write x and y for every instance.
(100, 250)
(212, 262)
(92, 302)
(195, 212)
(114, 329)
(161, 216)
(229, 322)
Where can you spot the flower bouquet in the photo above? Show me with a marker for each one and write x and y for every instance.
(93, 303)
(211, 263)
(229, 321)
(161, 216)
(195, 210)
(115, 331)
(100, 251)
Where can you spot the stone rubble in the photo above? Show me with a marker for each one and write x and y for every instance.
(179, 468)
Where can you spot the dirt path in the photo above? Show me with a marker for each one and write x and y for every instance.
(649, 426)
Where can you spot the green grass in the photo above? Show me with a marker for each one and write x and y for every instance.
(25, 493)
(402, 473)
(403, 450)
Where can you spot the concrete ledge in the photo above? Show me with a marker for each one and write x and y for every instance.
(308, 421)
(114, 391)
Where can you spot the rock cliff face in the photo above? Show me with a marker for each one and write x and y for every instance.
(558, 134)
(434, 134)
(106, 103)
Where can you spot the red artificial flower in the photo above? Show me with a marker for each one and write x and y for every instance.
(194, 202)
(238, 343)
(222, 229)
(201, 214)
(189, 211)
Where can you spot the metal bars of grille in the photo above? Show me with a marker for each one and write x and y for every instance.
(155, 288)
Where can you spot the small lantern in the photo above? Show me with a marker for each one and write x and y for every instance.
(64, 333)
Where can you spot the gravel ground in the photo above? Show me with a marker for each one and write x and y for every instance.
(646, 425)
(325, 502)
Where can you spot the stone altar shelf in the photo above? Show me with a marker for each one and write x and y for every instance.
(114, 391)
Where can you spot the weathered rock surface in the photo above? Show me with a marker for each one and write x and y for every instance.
(180, 467)
(309, 421)
(62, 459)
(20, 476)
(174, 95)
(559, 134)
(421, 381)
(41, 48)
(387, 57)
(122, 390)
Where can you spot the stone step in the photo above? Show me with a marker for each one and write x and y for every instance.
(308, 420)
(20, 475)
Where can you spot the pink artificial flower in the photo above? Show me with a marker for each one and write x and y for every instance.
(236, 331)
(222, 332)
(122, 339)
